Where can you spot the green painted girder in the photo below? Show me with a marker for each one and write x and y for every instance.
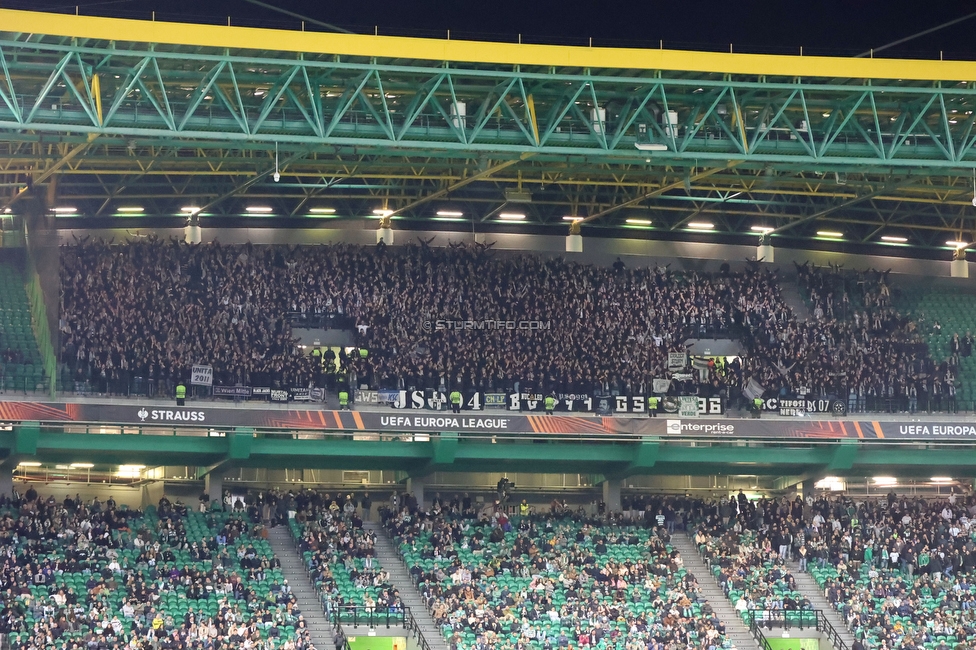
(451, 454)
(417, 109)
(877, 459)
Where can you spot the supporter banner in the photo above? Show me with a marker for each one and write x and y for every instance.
(711, 406)
(201, 376)
(317, 394)
(661, 386)
(580, 402)
(436, 400)
(366, 397)
(260, 391)
(688, 407)
(525, 402)
(232, 391)
(630, 404)
(753, 389)
(300, 394)
(704, 406)
(602, 404)
(496, 400)
(388, 397)
(677, 360)
(800, 406)
(394, 420)
(278, 395)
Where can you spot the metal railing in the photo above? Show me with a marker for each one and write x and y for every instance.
(357, 615)
(787, 619)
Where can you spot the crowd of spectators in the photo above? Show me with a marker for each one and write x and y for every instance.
(858, 347)
(340, 556)
(749, 573)
(552, 580)
(898, 569)
(82, 575)
(152, 309)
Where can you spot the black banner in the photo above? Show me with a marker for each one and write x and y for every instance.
(276, 395)
(300, 394)
(792, 406)
(435, 400)
(232, 391)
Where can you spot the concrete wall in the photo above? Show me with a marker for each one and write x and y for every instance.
(598, 250)
(137, 496)
(130, 496)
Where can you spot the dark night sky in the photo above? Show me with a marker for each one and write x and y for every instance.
(820, 26)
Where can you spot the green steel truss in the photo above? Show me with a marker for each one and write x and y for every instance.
(141, 92)
(172, 126)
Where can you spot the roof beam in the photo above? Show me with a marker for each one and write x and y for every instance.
(658, 192)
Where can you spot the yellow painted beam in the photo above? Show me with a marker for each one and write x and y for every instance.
(430, 49)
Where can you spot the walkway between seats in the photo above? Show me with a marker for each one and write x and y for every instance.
(735, 629)
(809, 588)
(400, 577)
(292, 568)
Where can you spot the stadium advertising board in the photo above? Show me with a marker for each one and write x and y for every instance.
(403, 420)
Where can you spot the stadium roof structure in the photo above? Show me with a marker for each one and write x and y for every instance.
(128, 120)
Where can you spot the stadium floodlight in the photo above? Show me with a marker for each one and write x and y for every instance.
(449, 213)
(942, 479)
(701, 225)
(65, 210)
(885, 480)
(190, 209)
(762, 230)
(511, 216)
(259, 209)
(638, 222)
(894, 240)
(28, 463)
(832, 483)
(382, 212)
(131, 209)
(569, 218)
(321, 210)
(651, 146)
(81, 465)
(130, 471)
(829, 233)
(957, 244)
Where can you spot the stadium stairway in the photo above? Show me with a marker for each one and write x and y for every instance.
(388, 558)
(793, 297)
(283, 545)
(735, 629)
(808, 587)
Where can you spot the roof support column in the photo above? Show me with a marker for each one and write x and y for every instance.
(6, 480)
(764, 251)
(611, 494)
(214, 488)
(415, 486)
